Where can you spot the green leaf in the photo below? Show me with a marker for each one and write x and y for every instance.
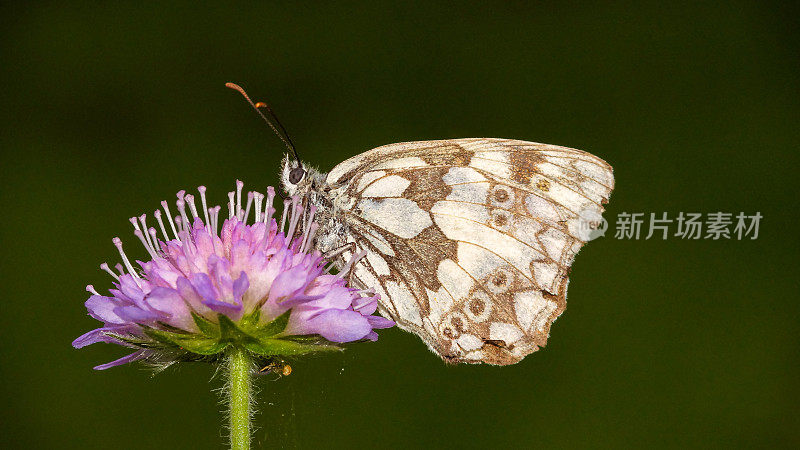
(282, 347)
(206, 326)
(277, 326)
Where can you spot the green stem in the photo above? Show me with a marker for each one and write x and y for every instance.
(239, 389)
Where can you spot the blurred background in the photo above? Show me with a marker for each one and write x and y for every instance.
(107, 109)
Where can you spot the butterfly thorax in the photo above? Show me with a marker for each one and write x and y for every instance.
(330, 204)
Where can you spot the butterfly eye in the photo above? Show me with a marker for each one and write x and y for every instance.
(296, 175)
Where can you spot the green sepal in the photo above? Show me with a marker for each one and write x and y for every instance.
(285, 347)
(231, 332)
(206, 326)
(250, 321)
(205, 346)
(310, 339)
(137, 342)
(189, 342)
(172, 329)
(276, 326)
(214, 338)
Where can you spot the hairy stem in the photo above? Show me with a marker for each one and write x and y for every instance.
(239, 390)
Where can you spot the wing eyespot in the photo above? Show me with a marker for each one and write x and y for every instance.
(478, 306)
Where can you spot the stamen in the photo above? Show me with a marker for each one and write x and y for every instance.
(118, 243)
(287, 202)
(215, 217)
(154, 238)
(239, 186)
(309, 218)
(231, 204)
(133, 222)
(247, 208)
(90, 289)
(259, 197)
(157, 214)
(269, 210)
(140, 235)
(119, 268)
(143, 221)
(202, 190)
(165, 205)
(187, 225)
(353, 261)
(296, 213)
(108, 270)
(212, 225)
(179, 222)
(138, 230)
(312, 230)
(190, 201)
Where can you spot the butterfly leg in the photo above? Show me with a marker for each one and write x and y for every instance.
(344, 266)
(350, 246)
(335, 256)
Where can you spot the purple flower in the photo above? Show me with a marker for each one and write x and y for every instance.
(259, 286)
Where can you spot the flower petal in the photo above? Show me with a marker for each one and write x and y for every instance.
(372, 336)
(380, 322)
(240, 286)
(229, 309)
(102, 308)
(188, 293)
(124, 360)
(129, 287)
(296, 300)
(93, 337)
(288, 283)
(365, 305)
(170, 302)
(340, 325)
(137, 315)
(337, 297)
(203, 285)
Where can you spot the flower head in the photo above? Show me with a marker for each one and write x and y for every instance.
(260, 286)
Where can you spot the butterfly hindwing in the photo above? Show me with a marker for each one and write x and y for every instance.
(470, 241)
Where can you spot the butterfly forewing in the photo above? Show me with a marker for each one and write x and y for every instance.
(469, 241)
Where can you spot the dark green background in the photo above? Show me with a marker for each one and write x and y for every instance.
(108, 109)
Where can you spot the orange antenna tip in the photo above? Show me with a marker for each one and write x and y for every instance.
(282, 134)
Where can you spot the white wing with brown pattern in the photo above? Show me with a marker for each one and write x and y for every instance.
(469, 241)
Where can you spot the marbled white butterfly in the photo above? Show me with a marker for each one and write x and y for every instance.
(469, 242)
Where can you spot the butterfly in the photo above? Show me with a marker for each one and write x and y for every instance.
(468, 242)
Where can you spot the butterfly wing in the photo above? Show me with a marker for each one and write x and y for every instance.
(469, 242)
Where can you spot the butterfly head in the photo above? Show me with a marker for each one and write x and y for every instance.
(296, 177)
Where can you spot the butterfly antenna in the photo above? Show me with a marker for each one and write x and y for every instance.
(257, 106)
